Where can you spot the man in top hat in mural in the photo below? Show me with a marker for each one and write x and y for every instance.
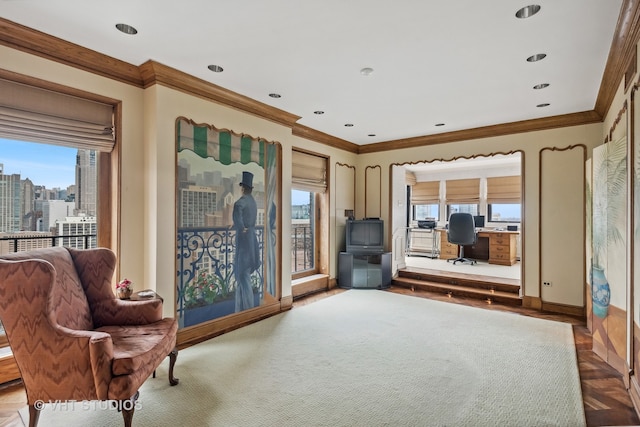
(247, 258)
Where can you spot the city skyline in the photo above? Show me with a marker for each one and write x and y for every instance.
(43, 164)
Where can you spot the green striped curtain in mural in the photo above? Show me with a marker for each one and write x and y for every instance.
(222, 145)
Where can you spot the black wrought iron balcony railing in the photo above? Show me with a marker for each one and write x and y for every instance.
(302, 248)
(205, 265)
(27, 242)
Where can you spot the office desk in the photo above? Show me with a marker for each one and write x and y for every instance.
(497, 247)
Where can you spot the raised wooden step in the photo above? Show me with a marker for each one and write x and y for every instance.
(506, 291)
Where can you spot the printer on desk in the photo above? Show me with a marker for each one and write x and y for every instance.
(427, 223)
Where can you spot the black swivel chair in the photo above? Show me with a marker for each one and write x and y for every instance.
(462, 231)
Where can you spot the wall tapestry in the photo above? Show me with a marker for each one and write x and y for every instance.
(227, 190)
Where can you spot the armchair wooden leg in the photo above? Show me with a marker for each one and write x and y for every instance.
(127, 407)
(127, 415)
(34, 415)
(172, 361)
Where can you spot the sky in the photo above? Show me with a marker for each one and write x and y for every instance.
(43, 164)
(299, 197)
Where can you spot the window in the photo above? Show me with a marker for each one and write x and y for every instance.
(63, 129)
(425, 200)
(504, 212)
(503, 198)
(309, 214)
(463, 196)
(462, 208)
(431, 210)
(302, 231)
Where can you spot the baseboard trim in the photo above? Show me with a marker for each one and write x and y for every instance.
(571, 310)
(207, 330)
(308, 285)
(532, 302)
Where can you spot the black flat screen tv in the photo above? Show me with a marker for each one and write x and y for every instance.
(365, 236)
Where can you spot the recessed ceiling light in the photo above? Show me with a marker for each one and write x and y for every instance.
(366, 71)
(127, 29)
(349, 125)
(275, 95)
(439, 124)
(542, 105)
(318, 112)
(528, 11)
(216, 68)
(536, 57)
(541, 86)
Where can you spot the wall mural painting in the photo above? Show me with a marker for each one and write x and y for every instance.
(608, 271)
(226, 209)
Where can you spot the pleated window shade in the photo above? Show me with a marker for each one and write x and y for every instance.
(504, 189)
(424, 193)
(33, 114)
(309, 172)
(463, 191)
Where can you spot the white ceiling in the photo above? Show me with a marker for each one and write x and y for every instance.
(461, 63)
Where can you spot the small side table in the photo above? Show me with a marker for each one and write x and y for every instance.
(145, 295)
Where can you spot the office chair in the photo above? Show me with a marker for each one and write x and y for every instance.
(462, 231)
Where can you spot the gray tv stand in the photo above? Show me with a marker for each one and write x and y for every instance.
(364, 270)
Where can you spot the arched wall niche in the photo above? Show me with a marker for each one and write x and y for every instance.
(481, 165)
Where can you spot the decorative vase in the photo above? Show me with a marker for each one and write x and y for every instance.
(600, 292)
(124, 293)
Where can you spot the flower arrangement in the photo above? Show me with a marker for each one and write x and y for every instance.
(205, 288)
(124, 288)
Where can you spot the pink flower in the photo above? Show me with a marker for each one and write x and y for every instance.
(124, 284)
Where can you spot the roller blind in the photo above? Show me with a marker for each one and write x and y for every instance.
(463, 190)
(423, 193)
(504, 189)
(29, 113)
(309, 172)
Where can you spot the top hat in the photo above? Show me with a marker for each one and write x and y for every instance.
(247, 179)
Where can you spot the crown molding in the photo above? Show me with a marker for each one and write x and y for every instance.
(575, 119)
(16, 36)
(621, 53)
(155, 73)
(323, 138)
(34, 42)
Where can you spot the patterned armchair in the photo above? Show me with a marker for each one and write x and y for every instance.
(71, 338)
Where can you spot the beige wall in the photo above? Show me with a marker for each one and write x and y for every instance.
(148, 168)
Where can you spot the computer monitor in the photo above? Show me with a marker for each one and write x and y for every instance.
(478, 220)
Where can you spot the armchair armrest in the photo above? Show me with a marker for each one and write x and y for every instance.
(116, 312)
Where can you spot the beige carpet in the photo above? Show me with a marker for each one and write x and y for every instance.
(366, 358)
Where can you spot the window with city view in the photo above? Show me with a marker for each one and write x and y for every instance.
(302, 231)
(47, 197)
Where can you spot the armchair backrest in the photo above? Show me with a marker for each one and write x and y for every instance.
(462, 229)
(68, 301)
